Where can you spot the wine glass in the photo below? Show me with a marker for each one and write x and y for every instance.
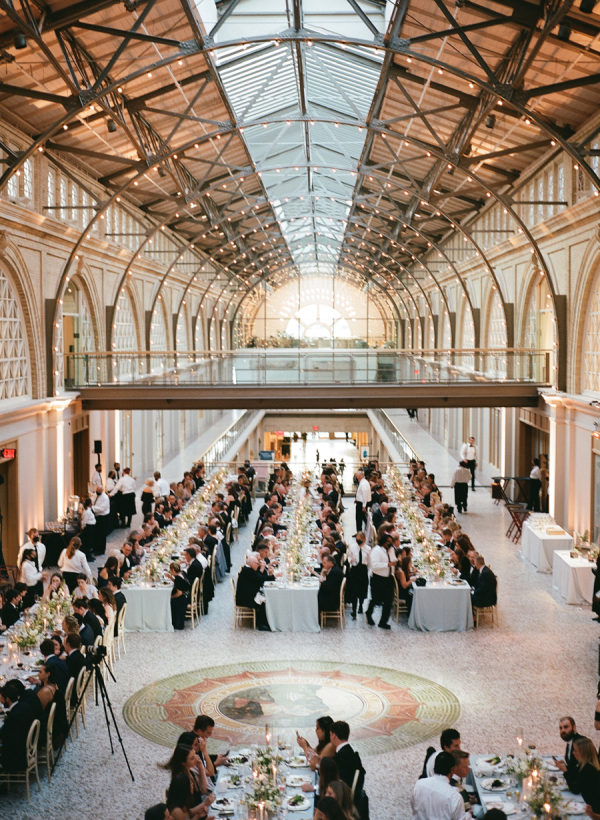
(519, 736)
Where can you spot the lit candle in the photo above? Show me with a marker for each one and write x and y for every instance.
(547, 808)
(261, 811)
(274, 774)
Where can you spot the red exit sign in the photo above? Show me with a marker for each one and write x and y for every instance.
(8, 452)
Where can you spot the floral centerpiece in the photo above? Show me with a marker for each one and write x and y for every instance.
(524, 765)
(263, 791)
(544, 796)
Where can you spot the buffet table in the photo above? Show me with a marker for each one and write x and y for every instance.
(573, 578)
(539, 542)
(441, 606)
(148, 608)
(292, 607)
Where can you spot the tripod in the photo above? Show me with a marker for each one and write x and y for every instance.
(93, 665)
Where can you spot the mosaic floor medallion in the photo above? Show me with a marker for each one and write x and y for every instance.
(386, 709)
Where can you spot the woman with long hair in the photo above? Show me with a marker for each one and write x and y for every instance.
(324, 747)
(588, 776)
(183, 788)
(107, 599)
(342, 794)
(55, 584)
(72, 562)
(328, 809)
(111, 567)
(404, 579)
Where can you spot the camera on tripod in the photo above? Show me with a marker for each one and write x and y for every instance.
(95, 655)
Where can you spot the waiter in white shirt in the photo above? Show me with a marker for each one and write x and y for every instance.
(382, 562)
(468, 453)
(434, 797)
(101, 509)
(33, 542)
(363, 497)
(96, 475)
(161, 485)
(126, 508)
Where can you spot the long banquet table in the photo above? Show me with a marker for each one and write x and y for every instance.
(537, 545)
(505, 799)
(148, 608)
(441, 606)
(292, 607)
(234, 794)
(572, 578)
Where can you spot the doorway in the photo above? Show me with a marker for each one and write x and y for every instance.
(9, 509)
(81, 462)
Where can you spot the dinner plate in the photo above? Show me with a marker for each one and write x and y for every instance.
(296, 762)
(230, 785)
(237, 758)
(305, 804)
(296, 780)
(507, 808)
(501, 784)
(574, 807)
(224, 806)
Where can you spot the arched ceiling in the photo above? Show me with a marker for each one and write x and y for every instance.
(275, 139)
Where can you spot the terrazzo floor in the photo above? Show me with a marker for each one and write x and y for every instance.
(539, 664)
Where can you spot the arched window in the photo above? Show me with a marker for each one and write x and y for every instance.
(590, 360)
(77, 337)
(199, 334)
(496, 335)
(539, 327)
(182, 340)
(467, 337)
(124, 338)
(15, 371)
(446, 331)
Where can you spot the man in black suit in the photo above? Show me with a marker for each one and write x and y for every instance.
(331, 581)
(75, 660)
(570, 766)
(58, 666)
(90, 626)
(484, 592)
(114, 584)
(348, 763)
(249, 583)
(194, 568)
(13, 734)
(10, 611)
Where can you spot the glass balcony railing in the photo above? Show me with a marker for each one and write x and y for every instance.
(309, 367)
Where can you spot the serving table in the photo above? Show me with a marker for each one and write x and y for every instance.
(573, 578)
(540, 538)
(292, 607)
(148, 608)
(441, 606)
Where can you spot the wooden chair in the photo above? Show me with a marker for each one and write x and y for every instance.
(213, 567)
(120, 638)
(242, 613)
(31, 765)
(355, 781)
(234, 526)
(46, 754)
(398, 604)
(518, 513)
(192, 612)
(12, 573)
(484, 611)
(338, 614)
(70, 709)
(228, 533)
(79, 687)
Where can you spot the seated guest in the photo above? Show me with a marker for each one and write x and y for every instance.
(449, 742)
(87, 620)
(13, 733)
(55, 584)
(203, 729)
(569, 766)
(55, 663)
(96, 606)
(460, 773)
(10, 611)
(484, 592)
(128, 559)
(183, 798)
(114, 586)
(588, 772)
(404, 579)
(179, 595)
(194, 565)
(84, 588)
(328, 809)
(75, 659)
(111, 567)
(348, 762)
(324, 747)
(249, 585)
(107, 599)
(46, 692)
(342, 794)
(434, 797)
(331, 581)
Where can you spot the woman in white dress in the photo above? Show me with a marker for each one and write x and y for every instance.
(72, 562)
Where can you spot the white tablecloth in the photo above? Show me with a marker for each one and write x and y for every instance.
(537, 546)
(573, 578)
(293, 608)
(148, 609)
(441, 607)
